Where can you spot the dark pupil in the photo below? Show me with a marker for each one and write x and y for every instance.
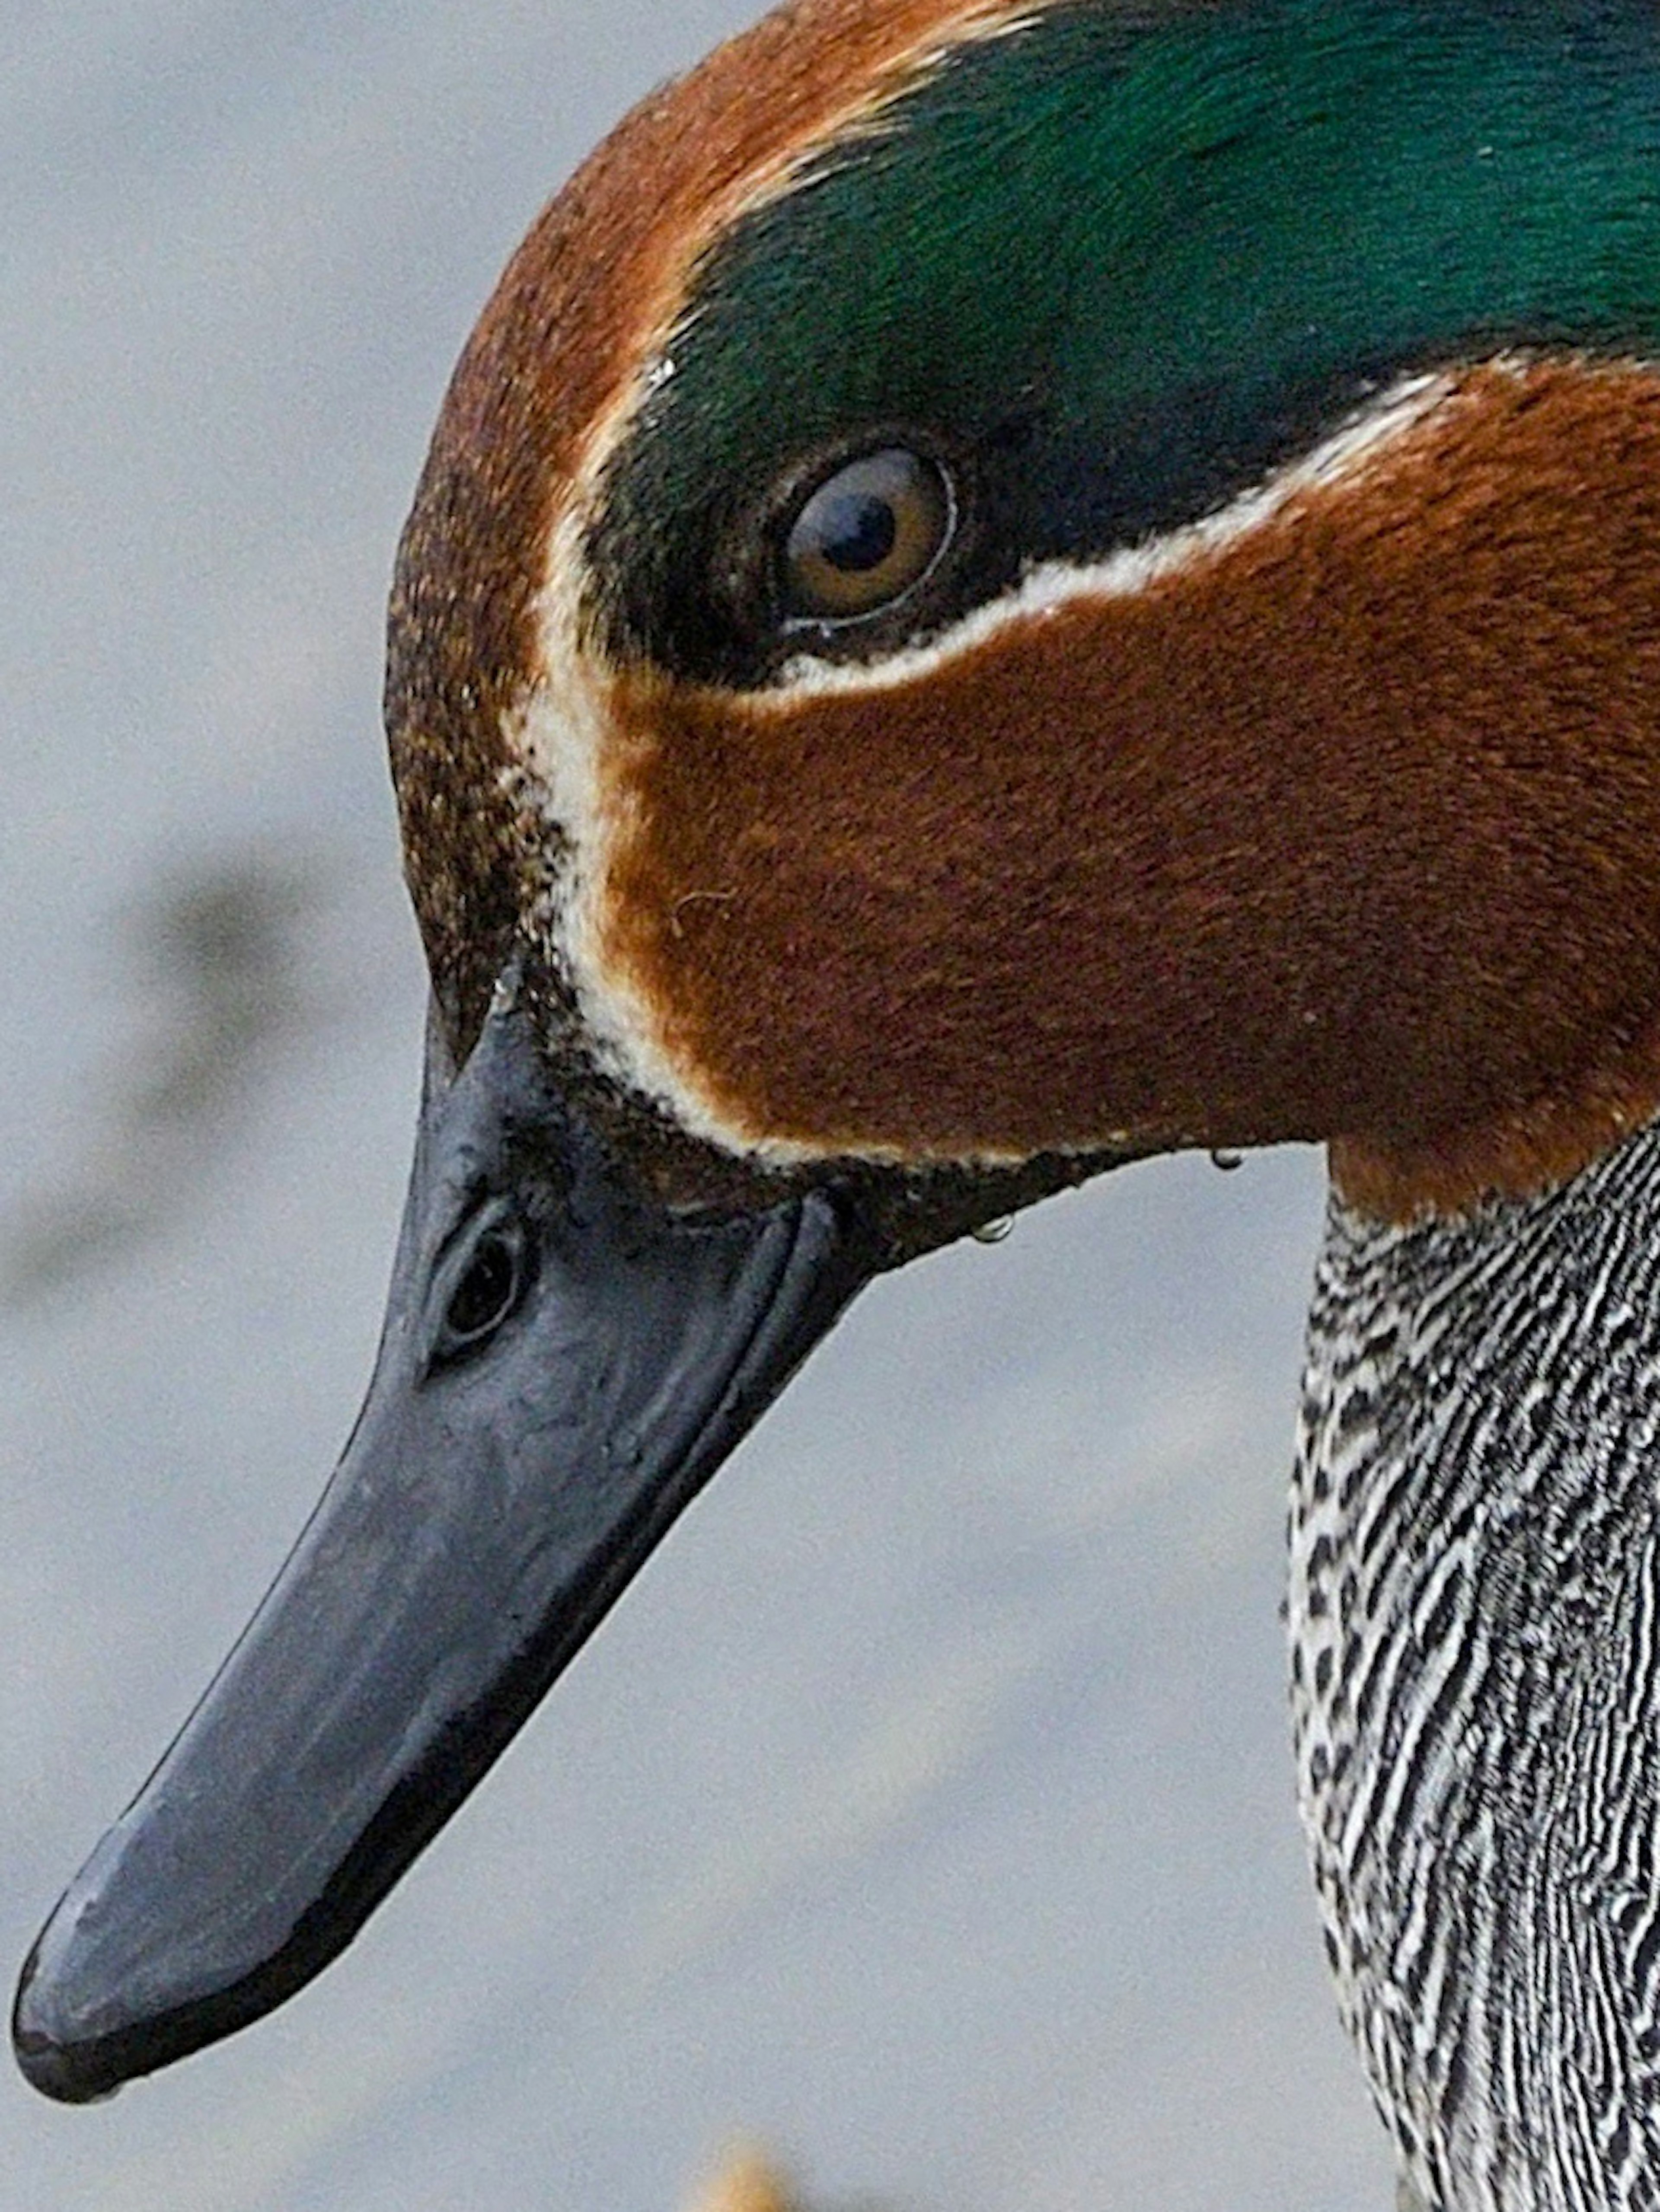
(859, 531)
(485, 1292)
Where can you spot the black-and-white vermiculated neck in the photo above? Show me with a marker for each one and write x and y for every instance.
(1475, 1619)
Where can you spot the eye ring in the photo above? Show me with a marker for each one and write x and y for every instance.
(864, 536)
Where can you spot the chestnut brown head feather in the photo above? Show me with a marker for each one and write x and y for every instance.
(1264, 750)
(580, 309)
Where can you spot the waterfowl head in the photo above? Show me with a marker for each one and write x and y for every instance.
(1068, 577)
(1000, 588)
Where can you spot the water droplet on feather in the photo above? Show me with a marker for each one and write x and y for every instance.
(994, 1233)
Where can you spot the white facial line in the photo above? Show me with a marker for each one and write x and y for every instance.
(556, 740)
(977, 24)
(1135, 568)
(553, 740)
(557, 736)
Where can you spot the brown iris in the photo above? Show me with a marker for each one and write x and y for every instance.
(865, 535)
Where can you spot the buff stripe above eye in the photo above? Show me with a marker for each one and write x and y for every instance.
(1134, 262)
(1002, 588)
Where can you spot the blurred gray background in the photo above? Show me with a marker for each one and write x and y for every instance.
(926, 1809)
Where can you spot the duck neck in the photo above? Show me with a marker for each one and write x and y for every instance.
(1475, 1606)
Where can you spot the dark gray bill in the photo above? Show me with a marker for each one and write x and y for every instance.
(565, 1365)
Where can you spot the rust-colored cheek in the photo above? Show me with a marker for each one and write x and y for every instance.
(593, 289)
(1348, 831)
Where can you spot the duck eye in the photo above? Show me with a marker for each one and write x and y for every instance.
(865, 536)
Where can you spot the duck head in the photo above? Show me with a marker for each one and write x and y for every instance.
(999, 588)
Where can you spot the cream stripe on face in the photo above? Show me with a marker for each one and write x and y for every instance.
(1339, 462)
(575, 750)
(968, 23)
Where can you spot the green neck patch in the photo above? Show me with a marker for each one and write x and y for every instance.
(1119, 263)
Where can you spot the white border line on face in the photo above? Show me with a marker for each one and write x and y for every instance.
(1339, 460)
(976, 23)
(560, 734)
(554, 734)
